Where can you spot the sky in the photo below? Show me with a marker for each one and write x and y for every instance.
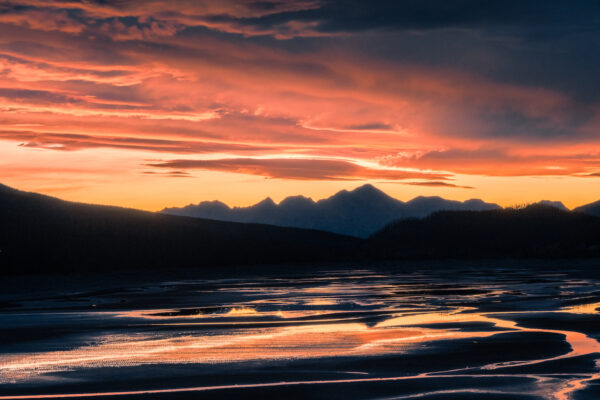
(164, 103)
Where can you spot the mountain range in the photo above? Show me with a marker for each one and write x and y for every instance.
(44, 234)
(360, 212)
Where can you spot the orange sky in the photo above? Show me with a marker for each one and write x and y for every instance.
(178, 102)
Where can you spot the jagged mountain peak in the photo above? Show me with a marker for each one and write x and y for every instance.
(367, 188)
(419, 199)
(555, 204)
(359, 212)
(367, 194)
(213, 203)
(474, 201)
(296, 200)
(267, 202)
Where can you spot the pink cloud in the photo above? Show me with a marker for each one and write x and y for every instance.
(43, 20)
(300, 169)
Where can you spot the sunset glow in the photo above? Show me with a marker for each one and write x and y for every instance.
(166, 103)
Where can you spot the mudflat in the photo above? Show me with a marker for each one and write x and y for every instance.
(376, 331)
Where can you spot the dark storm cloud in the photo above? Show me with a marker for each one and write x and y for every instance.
(558, 17)
(551, 44)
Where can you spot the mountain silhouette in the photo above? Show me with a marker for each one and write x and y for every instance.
(43, 234)
(590, 209)
(535, 231)
(360, 212)
(555, 204)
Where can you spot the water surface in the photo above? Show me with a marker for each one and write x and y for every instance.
(494, 333)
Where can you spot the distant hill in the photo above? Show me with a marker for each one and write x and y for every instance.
(44, 234)
(590, 209)
(536, 231)
(360, 212)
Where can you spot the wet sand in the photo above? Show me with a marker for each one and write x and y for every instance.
(377, 332)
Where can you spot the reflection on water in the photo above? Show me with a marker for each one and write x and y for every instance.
(583, 308)
(335, 319)
(242, 312)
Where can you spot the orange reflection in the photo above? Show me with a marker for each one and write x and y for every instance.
(395, 335)
(582, 308)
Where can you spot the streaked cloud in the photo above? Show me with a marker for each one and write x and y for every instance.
(502, 162)
(437, 184)
(302, 169)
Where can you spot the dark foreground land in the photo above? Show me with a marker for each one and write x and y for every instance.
(446, 330)
(41, 234)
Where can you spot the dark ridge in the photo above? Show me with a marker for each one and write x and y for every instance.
(591, 209)
(536, 231)
(44, 234)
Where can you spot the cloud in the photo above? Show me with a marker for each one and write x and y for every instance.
(41, 19)
(437, 184)
(499, 162)
(406, 87)
(299, 169)
(169, 174)
(299, 18)
(150, 29)
(182, 77)
(373, 126)
(153, 19)
(357, 16)
(57, 141)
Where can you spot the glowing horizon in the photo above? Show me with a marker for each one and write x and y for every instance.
(172, 103)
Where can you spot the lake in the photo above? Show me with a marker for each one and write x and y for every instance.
(367, 332)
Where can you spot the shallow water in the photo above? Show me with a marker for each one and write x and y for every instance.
(368, 334)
